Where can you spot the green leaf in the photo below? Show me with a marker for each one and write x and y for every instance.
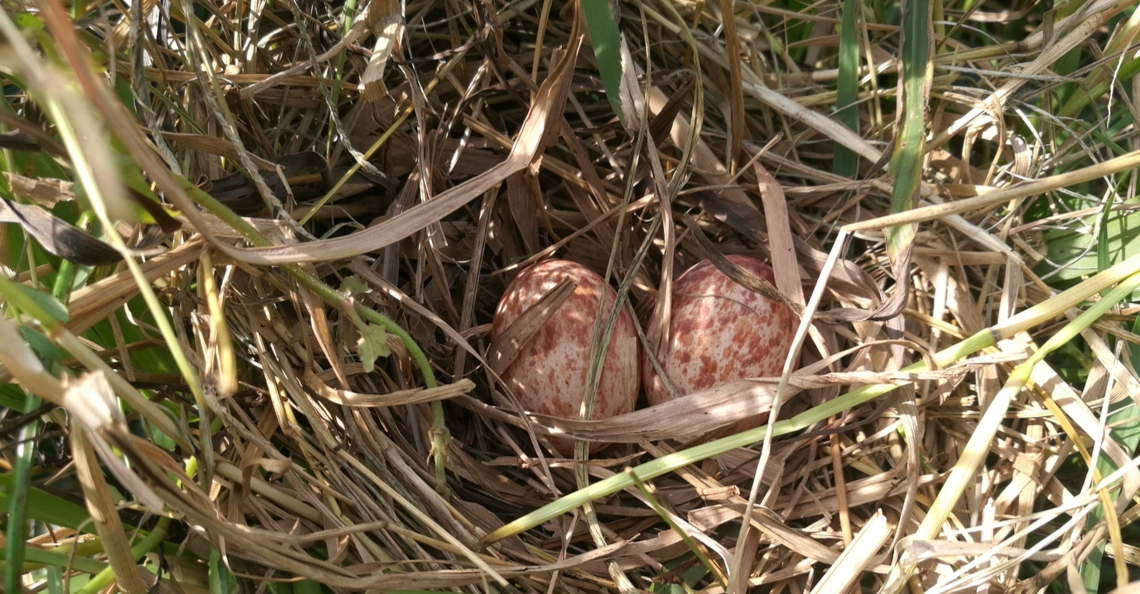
(906, 160)
(1125, 423)
(40, 305)
(371, 346)
(43, 347)
(16, 531)
(1082, 249)
(49, 304)
(124, 93)
(352, 285)
(13, 397)
(847, 89)
(690, 577)
(307, 587)
(220, 579)
(1096, 85)
(605, 38)
(28, 22)
(47, 508)
(150, 360)
(53, 559)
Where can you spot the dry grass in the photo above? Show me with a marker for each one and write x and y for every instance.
(397, 165)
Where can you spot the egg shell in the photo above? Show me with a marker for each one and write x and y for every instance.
(719, 332)
(549, 374)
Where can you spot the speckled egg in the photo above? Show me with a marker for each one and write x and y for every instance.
(549, 374)
(720, 331)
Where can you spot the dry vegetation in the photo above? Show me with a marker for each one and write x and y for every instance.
(305, 398)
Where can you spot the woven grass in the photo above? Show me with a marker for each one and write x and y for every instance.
(289, 384)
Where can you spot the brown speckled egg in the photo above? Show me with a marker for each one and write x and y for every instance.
(549, 374)
(720, 332)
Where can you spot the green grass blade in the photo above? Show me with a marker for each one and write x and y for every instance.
(906, 160)
(150, 542)
(57, 559)
(338, 77)
(978, 446)
(219, 574)
(605, 38)
(694, 547)
(47, 508)
(847, 88)
(18, 507)
(1096, 87)
(1125, 424)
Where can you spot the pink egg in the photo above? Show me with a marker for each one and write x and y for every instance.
(549, 374)
(720, 332)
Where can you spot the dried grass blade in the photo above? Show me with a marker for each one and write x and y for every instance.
(531, 139)
(221, 344)
(96, 301)
(996, 197)
(150, 411)
(523, 204)
(216, 146)
(25, 367)
(689, 540)
(682, 418)
(742, 277)
(57, 236)
(91, 406)
(266, 489)
(1083, 24)
(387, 23)
(319, 323)
(104, 514)
(773, 527)
(736, 122)
(506, 347)
(780, 244)
(424, 518)
(856, 557)
(289, 75)
(1026, 319)
(906, 167)
(978, 446)
(731, 205)
(43, 191)
(100, 179)
(1124, 435)
(632, 98)
(829, 127)
(398, 398)
(1067, 406)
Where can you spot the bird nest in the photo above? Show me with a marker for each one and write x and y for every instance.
(276, 370)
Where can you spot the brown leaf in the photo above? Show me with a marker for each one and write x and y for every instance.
(514, 339)
(58, 237)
